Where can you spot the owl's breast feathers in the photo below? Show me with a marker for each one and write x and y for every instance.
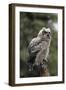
(37, 44)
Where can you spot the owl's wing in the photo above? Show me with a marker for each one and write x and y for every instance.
(34, 45)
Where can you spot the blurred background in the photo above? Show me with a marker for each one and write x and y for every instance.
(30, 25)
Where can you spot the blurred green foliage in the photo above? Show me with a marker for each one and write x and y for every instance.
(30, 25)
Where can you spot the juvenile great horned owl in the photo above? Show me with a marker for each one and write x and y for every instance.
(39, 46)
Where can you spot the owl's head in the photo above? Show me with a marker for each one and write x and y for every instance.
(45, 33)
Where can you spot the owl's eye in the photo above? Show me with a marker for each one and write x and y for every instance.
(49, 32)
(44, 32)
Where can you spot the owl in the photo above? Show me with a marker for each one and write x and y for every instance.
(39, 46)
